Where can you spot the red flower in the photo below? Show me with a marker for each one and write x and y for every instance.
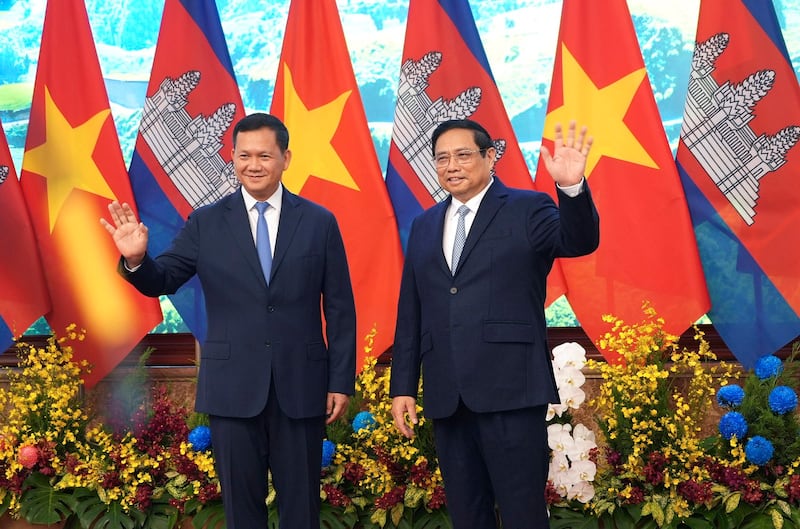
(391, 498)
(28, 456)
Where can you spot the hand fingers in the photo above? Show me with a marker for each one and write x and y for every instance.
(399, 415)
(587, 146)
(583, 143)
(570, 135)
(110, 228)
(558, 139)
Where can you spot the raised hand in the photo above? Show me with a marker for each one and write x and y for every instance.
(129, 234)
(568, 161)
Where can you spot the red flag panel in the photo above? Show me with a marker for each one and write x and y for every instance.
(334, 161)
(72, 168)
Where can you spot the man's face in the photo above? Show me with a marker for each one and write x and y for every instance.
(460, 166)
(259, 162)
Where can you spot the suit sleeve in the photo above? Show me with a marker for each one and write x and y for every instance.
(406, 356)
(570, 229)
(340, 315)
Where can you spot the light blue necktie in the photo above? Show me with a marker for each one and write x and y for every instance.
(262, 240)
(461, 238)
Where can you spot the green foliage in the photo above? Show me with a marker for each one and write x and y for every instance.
(94, 514)
(41, 503)
(15, 97)
(208, 516)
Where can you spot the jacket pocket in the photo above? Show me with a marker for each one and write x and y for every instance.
(508, 331)
(316, 351)
(425, 343)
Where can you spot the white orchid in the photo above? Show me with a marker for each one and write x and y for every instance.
(569, 354)
(571, 470)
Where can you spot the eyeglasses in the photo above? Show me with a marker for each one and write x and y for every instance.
(462, 157)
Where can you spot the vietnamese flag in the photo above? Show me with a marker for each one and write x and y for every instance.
(334, 162)
(647, 251)
(71, 169)
(23, 292)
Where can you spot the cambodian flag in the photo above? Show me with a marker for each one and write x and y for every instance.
(739, 160)
(182, 155)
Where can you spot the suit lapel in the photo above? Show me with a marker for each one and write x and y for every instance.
(239, 224)
(291, 214)
(492, 201)
(437, 233)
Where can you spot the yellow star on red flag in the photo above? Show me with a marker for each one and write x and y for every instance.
(602, 110)
(312, 130)
(65, 158)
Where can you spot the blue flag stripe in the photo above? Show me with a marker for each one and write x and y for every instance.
(748, 312)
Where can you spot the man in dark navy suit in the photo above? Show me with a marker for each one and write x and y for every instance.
(271, 265)
(471, 322)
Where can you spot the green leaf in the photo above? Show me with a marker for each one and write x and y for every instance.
(697, 523)
(41, 503)
(331, 517)
(161, 515)
(379, 517)
(209, 516)
(397, 513)
(777, 518)
(437, 519)
(566, 518)
(732, 501)
(111, 516)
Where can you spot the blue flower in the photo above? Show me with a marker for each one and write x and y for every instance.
(328, 450)
(733, 423)
(200, 438)
(768, 366)
(759, 450)
(730, 396)
(363, 419)
(782, 400)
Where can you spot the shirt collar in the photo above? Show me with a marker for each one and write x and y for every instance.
(275, 200)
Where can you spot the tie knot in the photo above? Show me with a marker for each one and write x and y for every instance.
(462, 211)
(262, 207)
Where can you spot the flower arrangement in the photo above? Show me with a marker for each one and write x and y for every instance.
(139, 461)
(375, 477)
(660, 466)
(135, 465)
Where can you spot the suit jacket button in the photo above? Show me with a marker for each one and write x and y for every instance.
(271, 309)
(453, 290)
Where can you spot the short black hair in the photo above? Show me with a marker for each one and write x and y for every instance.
(260, 120)
(482, 138)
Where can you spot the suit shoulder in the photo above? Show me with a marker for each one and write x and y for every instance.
(311, 206)
(217, 206)
(528, 196)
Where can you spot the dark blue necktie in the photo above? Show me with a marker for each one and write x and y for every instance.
(262, 240)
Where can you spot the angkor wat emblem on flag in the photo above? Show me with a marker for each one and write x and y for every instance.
(716, 131)
(187, 147)
(417, 115)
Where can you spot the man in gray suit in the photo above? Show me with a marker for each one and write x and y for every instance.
(271, 265)
(471, 320)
